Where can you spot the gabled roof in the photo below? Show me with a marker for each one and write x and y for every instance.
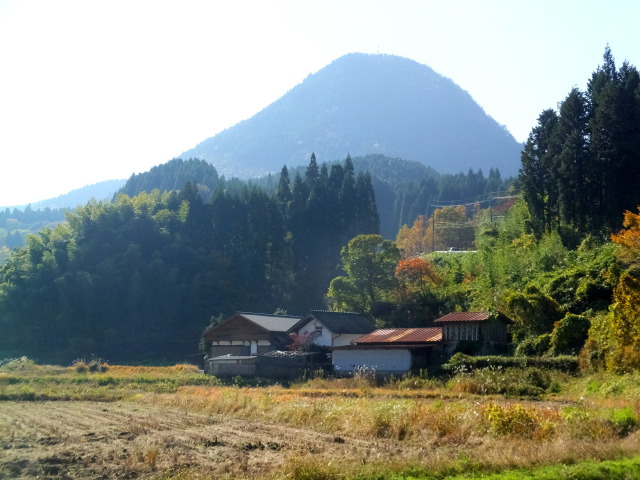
(463, 317)
(273, 323)
(395, 336)
(338, 322)
(270, 323)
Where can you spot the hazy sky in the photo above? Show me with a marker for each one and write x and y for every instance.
(96, 90)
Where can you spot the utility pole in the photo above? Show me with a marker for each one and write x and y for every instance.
(433, 232)
(491, 207)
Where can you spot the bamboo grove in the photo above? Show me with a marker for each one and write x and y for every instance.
(139, 277)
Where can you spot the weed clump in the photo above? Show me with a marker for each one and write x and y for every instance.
(93, 365)
(528, 382)
(19, 364)
(518, 421)
(624, 421)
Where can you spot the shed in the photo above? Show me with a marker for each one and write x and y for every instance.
(230, 366)
(391, 351)
(474, 333)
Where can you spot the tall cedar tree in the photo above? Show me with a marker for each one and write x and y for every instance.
(581, 167)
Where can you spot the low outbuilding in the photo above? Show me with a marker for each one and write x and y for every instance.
(474, 333)
(390, 351)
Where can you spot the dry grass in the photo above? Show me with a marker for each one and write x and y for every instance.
(173, 422)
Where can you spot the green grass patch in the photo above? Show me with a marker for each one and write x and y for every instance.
(627, 469)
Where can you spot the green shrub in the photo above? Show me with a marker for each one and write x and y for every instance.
(569, 335)
(461, 362)
(530, 382)
(624, 421)
(534, 346)
(201, 379)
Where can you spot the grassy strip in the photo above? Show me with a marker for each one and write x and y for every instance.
(626, 469)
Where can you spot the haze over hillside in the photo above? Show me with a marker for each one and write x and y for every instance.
(362, 104)
(99, 191)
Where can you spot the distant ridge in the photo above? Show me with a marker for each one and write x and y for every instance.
(366, 104)
(80, 196)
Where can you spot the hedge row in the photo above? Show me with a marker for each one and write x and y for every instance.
(460, 361)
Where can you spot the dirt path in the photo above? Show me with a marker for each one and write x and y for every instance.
(87, 440)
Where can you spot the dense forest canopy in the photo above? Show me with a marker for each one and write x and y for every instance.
(16, 224)
(173, 175)
(581, 165)
(139, 277)
(403, 190)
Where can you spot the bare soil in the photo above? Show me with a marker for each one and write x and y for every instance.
(126, 440)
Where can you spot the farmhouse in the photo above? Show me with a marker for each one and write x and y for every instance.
(332, 329)
(477, 333)
(390, 351)
(258, 343)
(245, 334)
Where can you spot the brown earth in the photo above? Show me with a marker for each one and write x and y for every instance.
(125, 440)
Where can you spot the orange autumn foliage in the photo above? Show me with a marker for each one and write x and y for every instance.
(629, 237)
(448, 227)
(417, 273)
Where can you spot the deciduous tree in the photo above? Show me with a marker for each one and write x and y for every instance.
(369, 262)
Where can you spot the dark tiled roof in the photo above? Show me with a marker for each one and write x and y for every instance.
(338, 322)
(401, 336)
(463, 317)
(274, 323)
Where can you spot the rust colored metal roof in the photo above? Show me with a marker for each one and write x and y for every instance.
(463, 317)
(401, 336)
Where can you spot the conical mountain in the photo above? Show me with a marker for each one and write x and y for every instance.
(366, 104)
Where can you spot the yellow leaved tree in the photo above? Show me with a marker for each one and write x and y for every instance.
(614, 338)
(629, 238)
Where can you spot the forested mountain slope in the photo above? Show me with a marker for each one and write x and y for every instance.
(403, 189)
(366, 104)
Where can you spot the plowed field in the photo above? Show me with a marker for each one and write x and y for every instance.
(94, 440)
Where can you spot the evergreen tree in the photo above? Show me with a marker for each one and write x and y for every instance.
(576, 175)
(615, 138)
(536, 174)
(581, 168)
(283, 192)
(313, 172)
(368, 220)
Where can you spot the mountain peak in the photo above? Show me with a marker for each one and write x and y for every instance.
(366, 104)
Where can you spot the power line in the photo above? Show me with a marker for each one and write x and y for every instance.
(465, 202)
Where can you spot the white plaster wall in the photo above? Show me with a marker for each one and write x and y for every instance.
(380, 359)
(310, 328)
(345, 339)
